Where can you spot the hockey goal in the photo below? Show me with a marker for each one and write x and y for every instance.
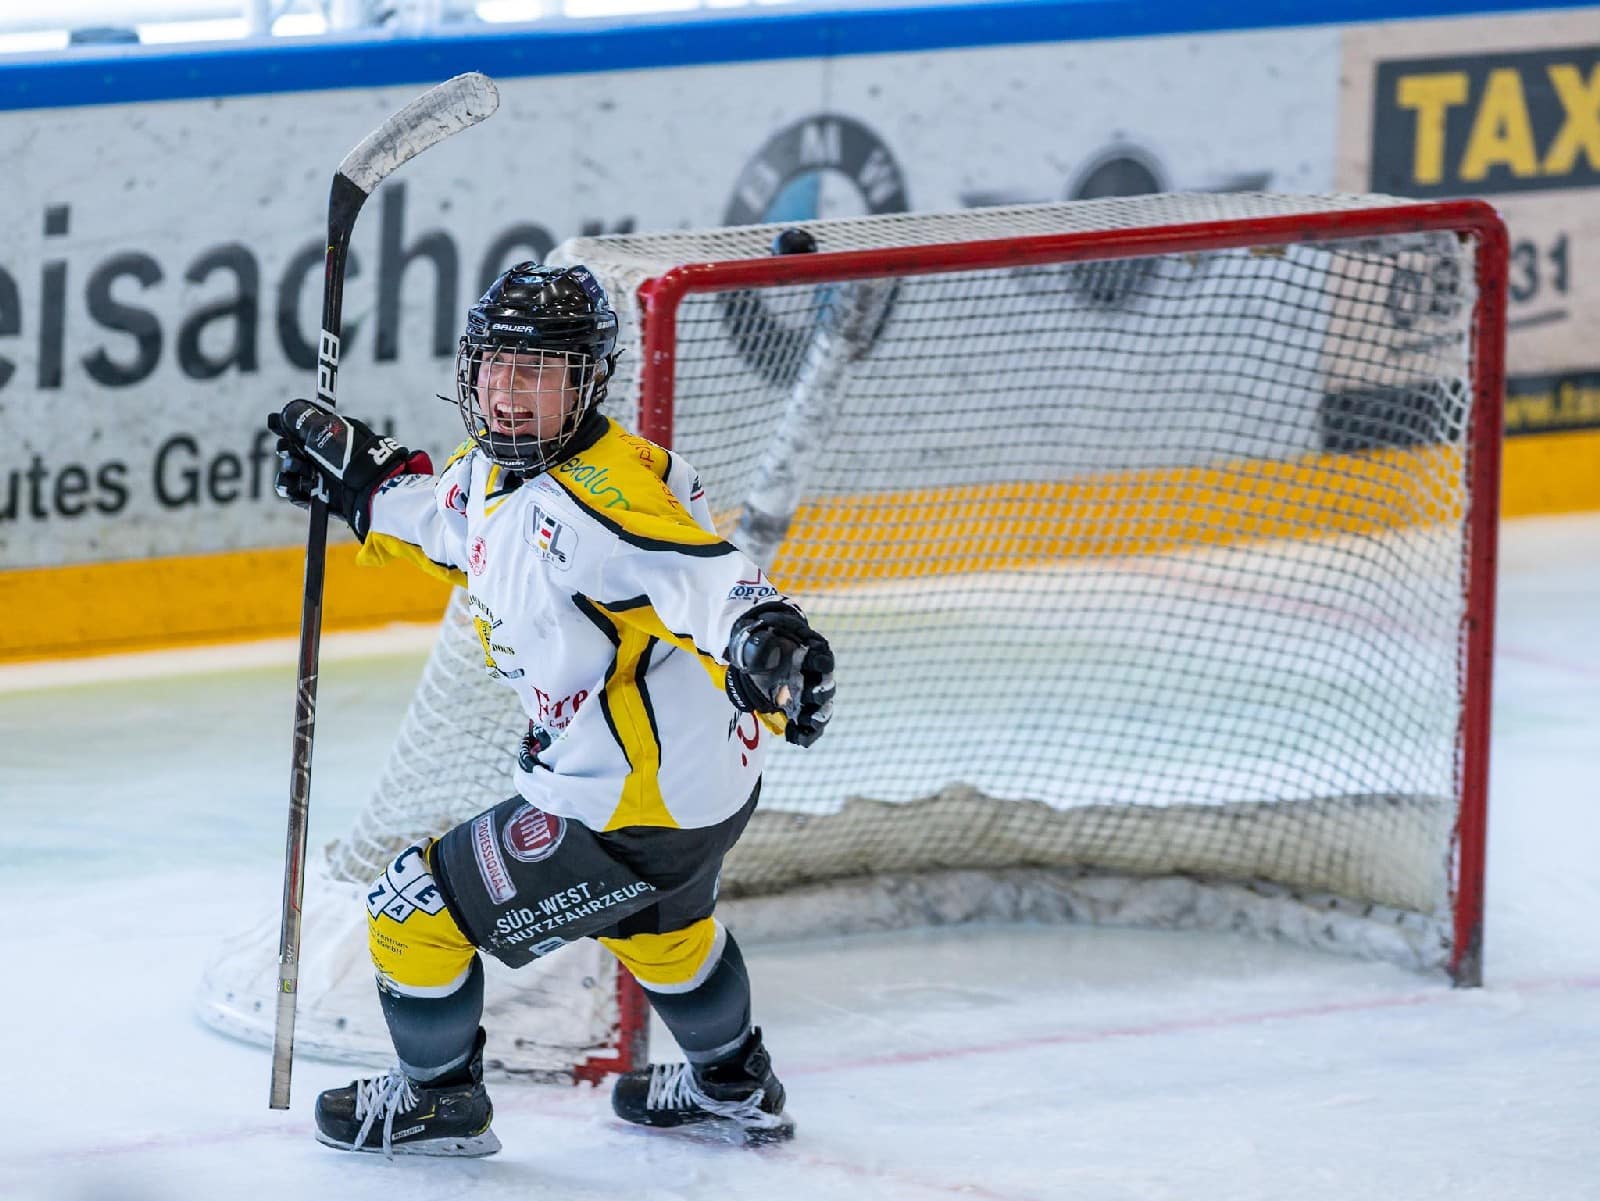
(1155, 537)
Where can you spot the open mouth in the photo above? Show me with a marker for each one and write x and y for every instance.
(513, 419)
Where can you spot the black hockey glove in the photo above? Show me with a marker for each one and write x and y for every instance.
(324, 455)
(776, 661)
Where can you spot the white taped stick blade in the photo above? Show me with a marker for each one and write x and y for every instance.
(454, 105)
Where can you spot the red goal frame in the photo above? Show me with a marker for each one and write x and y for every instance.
(660, 297)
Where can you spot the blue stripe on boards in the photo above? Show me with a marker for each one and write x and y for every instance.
(106, 75)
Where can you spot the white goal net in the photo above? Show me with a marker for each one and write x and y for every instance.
(1154, 538)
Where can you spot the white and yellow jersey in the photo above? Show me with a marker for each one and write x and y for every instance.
(605, 599)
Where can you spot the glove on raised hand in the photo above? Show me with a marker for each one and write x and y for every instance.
(324, 455)
(777, 662)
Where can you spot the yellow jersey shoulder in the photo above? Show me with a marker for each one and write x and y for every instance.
(458, 454)
(622, 479)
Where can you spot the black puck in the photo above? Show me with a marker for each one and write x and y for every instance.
(793, 240)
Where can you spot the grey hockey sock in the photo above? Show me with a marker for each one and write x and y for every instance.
(434, 1036)
(711, 1020)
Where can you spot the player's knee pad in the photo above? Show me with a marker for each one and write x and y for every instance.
(416, 945)
(674, 962)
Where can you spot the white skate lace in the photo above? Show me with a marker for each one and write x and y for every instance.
(386, 1095)
(673, 1086)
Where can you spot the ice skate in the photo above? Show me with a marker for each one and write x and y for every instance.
(398, 1116)
(737, 1099)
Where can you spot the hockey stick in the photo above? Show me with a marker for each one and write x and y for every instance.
(845, 330)
(449, 108)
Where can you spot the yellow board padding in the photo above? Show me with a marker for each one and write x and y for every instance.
(987, 527)
(138, 604)
(418, 953)
(101, 608)
(673, 962)
(1550, 473)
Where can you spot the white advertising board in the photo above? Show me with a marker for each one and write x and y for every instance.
(160, 288)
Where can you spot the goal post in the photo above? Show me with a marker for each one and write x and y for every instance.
(1155, 538)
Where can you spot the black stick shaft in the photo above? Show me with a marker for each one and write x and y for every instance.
(344, 203)
(447, 109)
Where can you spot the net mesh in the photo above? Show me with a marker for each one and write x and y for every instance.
(1153, 567)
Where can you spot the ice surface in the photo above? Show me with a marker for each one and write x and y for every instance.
(144, 820)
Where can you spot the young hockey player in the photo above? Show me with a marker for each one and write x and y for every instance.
(654, 662)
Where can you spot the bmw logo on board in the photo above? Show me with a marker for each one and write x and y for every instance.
(822, 166)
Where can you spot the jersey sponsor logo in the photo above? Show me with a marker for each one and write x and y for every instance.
(527, 922)
(593, 480)
(403, 481)
(649, 454)
(496, 879)
(558, 712)
(554, 540)
(456, 500)
(477, 556)
(824, 165)
(533, 835)
(757, 589)
(406, 887)
(644, 449)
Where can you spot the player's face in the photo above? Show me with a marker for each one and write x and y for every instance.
(525, 395)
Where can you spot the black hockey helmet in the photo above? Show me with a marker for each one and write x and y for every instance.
(534, 324)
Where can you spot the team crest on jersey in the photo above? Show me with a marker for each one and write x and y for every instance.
(532, 834)
(552, 538)
(477, 556)
(484, 624)
(405, 887)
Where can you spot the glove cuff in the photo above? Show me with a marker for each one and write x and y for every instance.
(359, 515)
(740, 691)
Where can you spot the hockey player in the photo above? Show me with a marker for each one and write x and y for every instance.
(655, 664)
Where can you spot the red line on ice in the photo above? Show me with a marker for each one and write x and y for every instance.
(1186, 1025)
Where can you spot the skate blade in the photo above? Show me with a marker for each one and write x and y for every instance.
(472, 1147)
(721, 1133)
(766, 1136)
